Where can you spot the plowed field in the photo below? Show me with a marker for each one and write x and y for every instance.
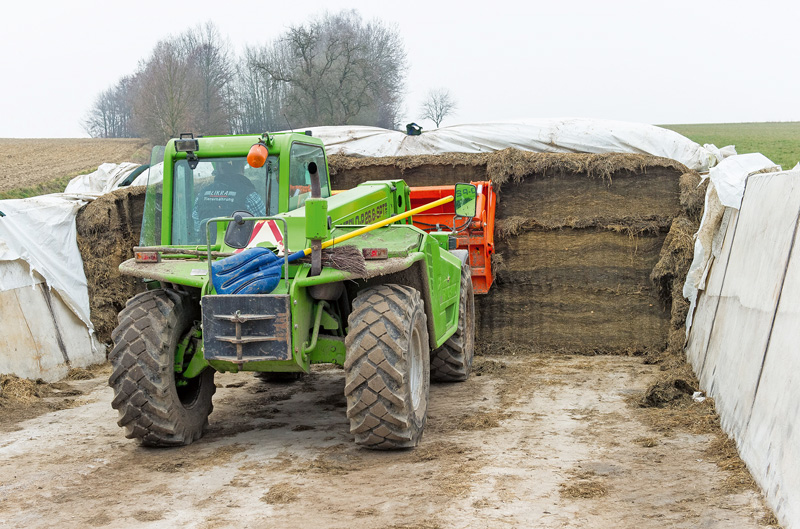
(29, 162)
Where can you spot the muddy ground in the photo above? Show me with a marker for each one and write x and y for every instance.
(528, 441)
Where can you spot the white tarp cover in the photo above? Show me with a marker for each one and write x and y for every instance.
(727, 185)
(42, 338)
(41, 231)
(44, 300)
(153, 175)
(743, 343)
(541, 135)
(105, 179)
(729, 175)
(17, 274)
(720, 153)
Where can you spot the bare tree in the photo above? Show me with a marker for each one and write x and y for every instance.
(387, 57)
(336, 70)
(110, 116)
(167, 100)
(256, 101)
(438, 105)
(209, 57)
(185, 86)
(101, 119)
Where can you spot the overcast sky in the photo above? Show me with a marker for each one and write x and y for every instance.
(652, 62)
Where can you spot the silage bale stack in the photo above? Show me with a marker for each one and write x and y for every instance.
(578, 237)
(108, 229)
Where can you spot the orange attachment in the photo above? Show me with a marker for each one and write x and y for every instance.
(257, 156)
(475, 235)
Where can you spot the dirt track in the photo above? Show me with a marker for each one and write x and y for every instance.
(530, 441)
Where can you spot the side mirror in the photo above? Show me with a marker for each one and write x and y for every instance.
(239, 231)
(466, 200)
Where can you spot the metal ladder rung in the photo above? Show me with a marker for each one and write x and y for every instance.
(242, 318)
(246, 339)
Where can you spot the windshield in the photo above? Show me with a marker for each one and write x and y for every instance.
(151, 218)
(219, 187)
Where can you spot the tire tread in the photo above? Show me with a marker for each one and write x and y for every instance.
(142, 373)
(378, 346)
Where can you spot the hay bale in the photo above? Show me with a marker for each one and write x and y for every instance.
(108, 229)
(638, 202)
(676, 257)
(511, 165)
(508, 165)
(576, 290)
(669, 275)
(427, 170)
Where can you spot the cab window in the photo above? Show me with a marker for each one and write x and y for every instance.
(257, 176)
(217, 187)
(301, 155)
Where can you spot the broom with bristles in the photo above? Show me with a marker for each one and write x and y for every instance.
(346, 258)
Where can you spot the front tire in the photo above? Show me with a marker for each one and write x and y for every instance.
(152, 408)
(452, 362)
(387, 371)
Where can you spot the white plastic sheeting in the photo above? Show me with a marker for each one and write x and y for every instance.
(154, 175)
(542, 135)
(42, 337)
(730, 174)
(41, 231)
(725, 190)
(44, 332)
(720, 153)
(106, 179)
(743, 343)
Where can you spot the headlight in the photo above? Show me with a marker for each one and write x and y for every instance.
(187, 145)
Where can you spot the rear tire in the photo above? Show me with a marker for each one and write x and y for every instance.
(387, 371)
(452, 362)
(152, 408)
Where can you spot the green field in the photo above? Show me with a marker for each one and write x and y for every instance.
(778, 141)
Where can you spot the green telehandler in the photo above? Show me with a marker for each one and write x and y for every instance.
(242, 252)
